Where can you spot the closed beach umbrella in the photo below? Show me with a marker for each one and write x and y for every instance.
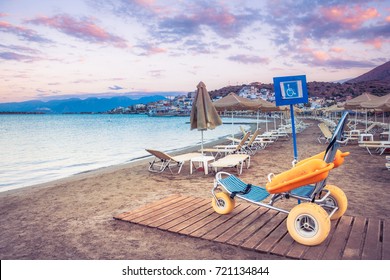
(203, 113)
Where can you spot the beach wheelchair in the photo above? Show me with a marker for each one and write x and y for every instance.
(308, 222)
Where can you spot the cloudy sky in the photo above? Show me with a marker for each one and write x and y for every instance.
(60, 48)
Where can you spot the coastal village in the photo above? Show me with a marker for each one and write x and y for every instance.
(321, 94)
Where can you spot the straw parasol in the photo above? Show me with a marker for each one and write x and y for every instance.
(380, 103)
(233, 102)
(356, 103)
(203, 113)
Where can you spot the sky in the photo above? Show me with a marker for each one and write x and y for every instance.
(55, 49)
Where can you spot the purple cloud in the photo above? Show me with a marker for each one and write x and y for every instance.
(249, 59)
(115, 87)
(84, 29)
(23, 33)
(17, 57)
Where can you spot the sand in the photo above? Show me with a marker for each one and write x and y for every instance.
(73, 218)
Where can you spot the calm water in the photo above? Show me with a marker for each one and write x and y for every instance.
(41, 148)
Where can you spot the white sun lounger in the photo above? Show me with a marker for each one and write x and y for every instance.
(162, 160)
(232, 160)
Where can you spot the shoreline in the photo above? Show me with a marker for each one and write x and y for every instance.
(116, 167)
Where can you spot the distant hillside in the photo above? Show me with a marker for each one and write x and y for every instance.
(379, 74)
(376, 81)
(76, 105)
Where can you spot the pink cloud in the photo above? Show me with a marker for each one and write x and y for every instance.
(249, 59)
(84, 29)
(349, 17)
(22, 32)
(377, 42)
(337, 50)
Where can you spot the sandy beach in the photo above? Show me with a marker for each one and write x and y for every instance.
(73, 218)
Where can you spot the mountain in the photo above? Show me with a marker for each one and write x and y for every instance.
(379, 74)
(76, 105)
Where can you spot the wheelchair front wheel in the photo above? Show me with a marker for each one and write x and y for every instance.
(226, 204)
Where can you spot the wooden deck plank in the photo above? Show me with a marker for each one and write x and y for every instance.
(166, 212)
(271, 240)
(386, 241)
(175, 223)
(159, 211)
(241, 225)
(316, 252)
(177, 214)
(121, 216)
(230, 223)
(353, 248)
(192, 220)
(283, 246)
(372, 244)
(219, 221)
(297, 251)
(249, 230)
(339, 239)
(201, 222)
(264, 231)
(138, 214)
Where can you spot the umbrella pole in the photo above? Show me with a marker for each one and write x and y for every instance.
(266, 122)
(257, 119)
(232, 126)
(201, 143)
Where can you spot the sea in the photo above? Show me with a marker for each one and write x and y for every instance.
(36, 149)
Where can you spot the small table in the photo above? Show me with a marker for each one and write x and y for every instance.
(366, 137)
(203, 162)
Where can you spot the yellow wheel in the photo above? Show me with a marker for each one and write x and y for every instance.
(308, 224)
(336, 198)
(226, 204)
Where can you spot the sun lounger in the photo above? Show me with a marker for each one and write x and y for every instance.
(379, 146)
(227, 149)
(326, 133)
(232, 160)
(163, 161)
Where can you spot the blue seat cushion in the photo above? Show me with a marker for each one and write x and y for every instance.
(233, 184)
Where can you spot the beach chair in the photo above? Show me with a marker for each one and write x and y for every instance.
(326, 133)
(250, 146)
(352, 135)
(163, 161)
(379, 146)
(232, 160)
(218, 150)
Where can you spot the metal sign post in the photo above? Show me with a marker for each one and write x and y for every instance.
(291, 90)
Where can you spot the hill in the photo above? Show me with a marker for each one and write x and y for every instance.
(376, 81)
(76, 105)
(379, 74)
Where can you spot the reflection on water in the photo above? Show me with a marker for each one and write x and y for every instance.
(41, 148)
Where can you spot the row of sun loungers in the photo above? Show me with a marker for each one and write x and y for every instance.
(234, 155)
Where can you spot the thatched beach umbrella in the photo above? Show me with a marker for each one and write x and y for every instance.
(203, 113)
(381, 103)
(356, 103)
(232, 102)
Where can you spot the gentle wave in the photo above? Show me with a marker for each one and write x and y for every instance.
(41, 148)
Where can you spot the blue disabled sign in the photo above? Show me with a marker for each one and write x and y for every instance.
(290, 90)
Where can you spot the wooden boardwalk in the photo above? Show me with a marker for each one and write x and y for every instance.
(263, 230)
